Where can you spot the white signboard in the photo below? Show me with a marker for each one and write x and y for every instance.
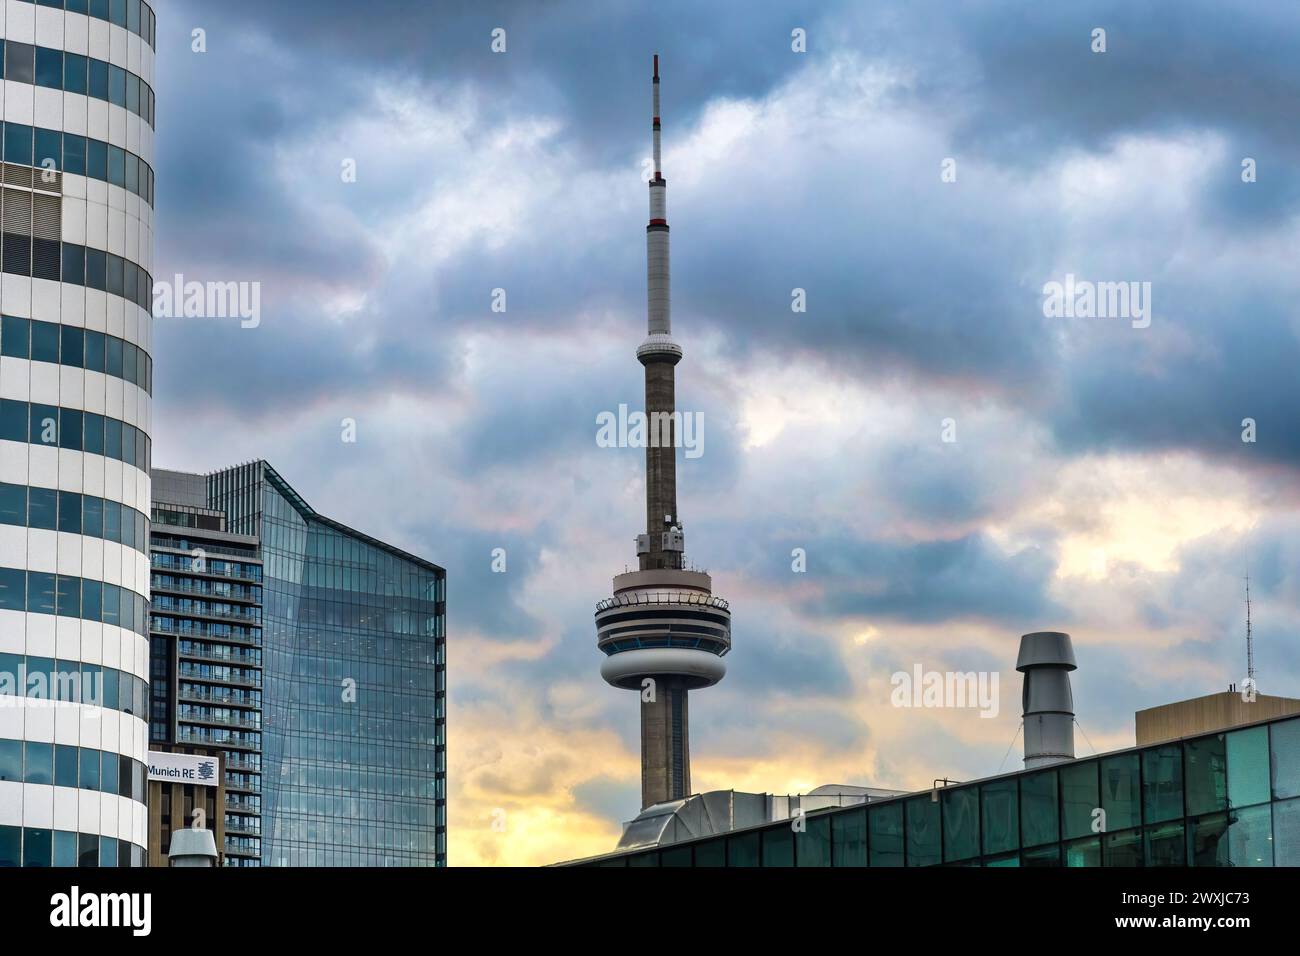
(183, 768)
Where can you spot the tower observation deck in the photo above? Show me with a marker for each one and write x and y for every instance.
(663, 633)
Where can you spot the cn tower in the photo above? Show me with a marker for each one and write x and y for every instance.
(663, 633)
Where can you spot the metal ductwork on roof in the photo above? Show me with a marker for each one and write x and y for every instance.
(1046, 659)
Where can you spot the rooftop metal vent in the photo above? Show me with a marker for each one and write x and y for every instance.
(1046, 659)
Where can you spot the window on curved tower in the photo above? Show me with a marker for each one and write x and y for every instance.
(42, 508)
(74, 154)
(49, 149)
(15, 338)
(20, 64)
(98, 76)
(116, 85)
(117, 166)
(97, 162)
(38, 763)
(75, 70)
(13, 505)
(40, 592)
(45, 342)
(49, 68)
(13, 589)
(11, 751)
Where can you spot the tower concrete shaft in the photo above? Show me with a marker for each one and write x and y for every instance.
(665, 743)
(663, 633)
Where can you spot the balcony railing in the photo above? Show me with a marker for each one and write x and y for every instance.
(238, 700)
(636, 598)
(243, 617)
(252, 722)
(251, 679)
(207, 590)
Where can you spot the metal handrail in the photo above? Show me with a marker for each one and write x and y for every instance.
(662, 597)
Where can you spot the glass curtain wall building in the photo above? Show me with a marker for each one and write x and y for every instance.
(354, 684)
(205, 635)
(1223, 799)
(75, 381)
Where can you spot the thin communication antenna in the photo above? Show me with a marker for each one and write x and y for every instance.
(1250, 639)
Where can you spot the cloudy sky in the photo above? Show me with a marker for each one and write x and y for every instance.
(1098, 483)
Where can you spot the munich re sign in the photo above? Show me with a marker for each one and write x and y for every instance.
(183, 768)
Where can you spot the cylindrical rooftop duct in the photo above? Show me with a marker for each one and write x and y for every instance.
(1046, 659)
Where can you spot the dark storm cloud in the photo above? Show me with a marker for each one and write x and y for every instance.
(809, 663)
(929, 581)
(888, 288)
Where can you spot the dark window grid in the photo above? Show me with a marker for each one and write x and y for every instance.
(24, 136)
(97, 269)
(140, 380)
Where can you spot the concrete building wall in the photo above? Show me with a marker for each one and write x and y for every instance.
(1201, 715)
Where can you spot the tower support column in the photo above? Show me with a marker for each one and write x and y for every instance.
(665, 743)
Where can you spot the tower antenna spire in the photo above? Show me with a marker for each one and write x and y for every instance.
(1250, 638)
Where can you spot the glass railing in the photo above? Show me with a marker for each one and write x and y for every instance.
(239, 700)
(227, 676)
(252, 721)
(206, 588)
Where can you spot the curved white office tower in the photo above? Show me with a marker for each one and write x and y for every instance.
(76, 257)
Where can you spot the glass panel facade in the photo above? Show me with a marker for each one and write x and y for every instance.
(849, 838)
(1121, 792)
(711, 853)
(353, 697)
(778, 847)
(961, 823)
(1164, 844)
(1162, 783)
(924, 838)
(1286, 833)
(743, 849)
(1046, 817)
(813, 845)
(1206, 768)
(1248, 767)
(1284, 747)
(1039, 820)
(1000, 816)
(885, 834)
(1083, 852)
(1122, 849)
(1080, 799)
